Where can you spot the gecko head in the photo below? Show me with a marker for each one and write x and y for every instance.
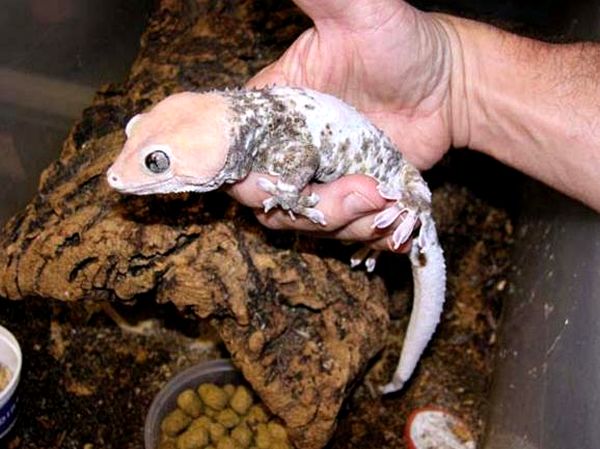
(180, 145)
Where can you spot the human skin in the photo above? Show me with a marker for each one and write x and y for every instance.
(431, 81)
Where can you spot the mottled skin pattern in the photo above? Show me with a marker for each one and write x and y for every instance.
(299, 136)
(275, 125)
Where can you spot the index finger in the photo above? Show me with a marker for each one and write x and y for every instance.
(342, 201)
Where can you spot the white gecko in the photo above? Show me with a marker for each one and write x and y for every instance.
(201, 141)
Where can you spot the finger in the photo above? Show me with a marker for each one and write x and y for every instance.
(360, 230)
(386, 244)
(340, 224)
(342, 202)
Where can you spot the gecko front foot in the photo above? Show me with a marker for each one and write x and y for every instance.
(288, 197)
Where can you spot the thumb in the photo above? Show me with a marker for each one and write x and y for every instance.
(269, 76)
(351, 14)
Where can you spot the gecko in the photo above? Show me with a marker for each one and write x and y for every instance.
(200, 141)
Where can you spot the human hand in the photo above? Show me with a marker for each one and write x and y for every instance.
(349, 205)
(390, 61)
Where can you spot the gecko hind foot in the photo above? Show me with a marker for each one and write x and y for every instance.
(427, 234)
(389, 193)
(392, 387)
(386, 217)
(404, 229)
(367, 256)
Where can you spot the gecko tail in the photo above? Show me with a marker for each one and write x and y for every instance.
(429, 277)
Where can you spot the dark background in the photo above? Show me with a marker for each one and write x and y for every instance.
(53, 55)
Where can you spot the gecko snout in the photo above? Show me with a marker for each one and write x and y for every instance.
(113, 180)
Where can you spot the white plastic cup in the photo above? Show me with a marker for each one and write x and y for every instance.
(10, 357)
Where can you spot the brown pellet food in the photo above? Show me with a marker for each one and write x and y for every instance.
(175, 423)
(189, 401)
(213, 396)
(193, 439)
(241, 400)
(215, 417)
(5, 376)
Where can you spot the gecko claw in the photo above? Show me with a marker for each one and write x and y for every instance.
(359, 255)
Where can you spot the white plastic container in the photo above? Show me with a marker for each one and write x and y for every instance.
(10, 357)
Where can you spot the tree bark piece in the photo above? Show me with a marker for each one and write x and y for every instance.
(298, 322)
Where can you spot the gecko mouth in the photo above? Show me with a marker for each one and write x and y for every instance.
(171, 185)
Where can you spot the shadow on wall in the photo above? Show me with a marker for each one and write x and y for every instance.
(55, 54)
(555, 20)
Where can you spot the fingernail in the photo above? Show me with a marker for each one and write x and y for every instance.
(357, 204)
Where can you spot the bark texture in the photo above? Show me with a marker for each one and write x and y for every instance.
(298, 322)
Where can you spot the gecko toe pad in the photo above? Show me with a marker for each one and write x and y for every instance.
(270, 203)
(391, 387)
(267, 186)
(366, 255)
(314, 215)
(386, 217)
(371, 261)
(404, 230)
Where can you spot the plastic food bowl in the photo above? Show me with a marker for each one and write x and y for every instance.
(219, 372)
(10, 357)
(434, 427)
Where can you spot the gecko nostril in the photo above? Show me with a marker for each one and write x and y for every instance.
(113, 179)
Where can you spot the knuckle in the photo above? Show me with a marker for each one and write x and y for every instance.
(272, 220)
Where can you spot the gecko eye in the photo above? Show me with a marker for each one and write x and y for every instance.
(157, 162)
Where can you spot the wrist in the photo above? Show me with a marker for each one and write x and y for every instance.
(524, 102)
(460, 94)
(485, 89)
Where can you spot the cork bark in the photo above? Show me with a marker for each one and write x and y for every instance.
(297, 321)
